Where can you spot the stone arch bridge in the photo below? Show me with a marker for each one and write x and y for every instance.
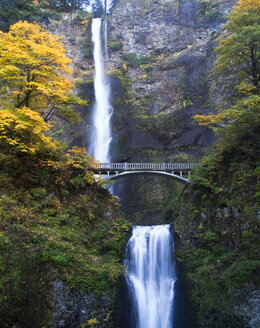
(178, 171)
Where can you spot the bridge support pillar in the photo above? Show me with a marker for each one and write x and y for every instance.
(189, 175)
(181, 174)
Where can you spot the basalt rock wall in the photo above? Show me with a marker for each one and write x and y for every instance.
(166, 49)
(161, 57)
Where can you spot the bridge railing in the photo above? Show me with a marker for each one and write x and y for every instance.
(146, 166)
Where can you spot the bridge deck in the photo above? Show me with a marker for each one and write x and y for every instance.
(145, 167)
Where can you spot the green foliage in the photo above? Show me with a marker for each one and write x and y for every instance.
(211, 238)
(67, 5)
(239, 51)
(223, 201)
(237, 153)
(115, 45)
(60, 210)
(134, 61)
(223, 198)
(215, 275)
(146, 67)
(90, 323)
(24, 281)
(49, 220)
(207, 11)
(240, 60)
(243, 272)
(87, 47)
(187, 103)
(15, 10)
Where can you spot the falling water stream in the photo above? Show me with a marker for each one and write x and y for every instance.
(149, 262)
(101, 130)
(151, 276)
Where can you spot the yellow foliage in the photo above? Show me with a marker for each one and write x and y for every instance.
(239, 56)
(79, 158)
(124, 66)
(23, 130)
(247, 5)
(81, 162)
(90, 323)
(34, 69)
(86, 22)
(252, 102)
(245, 88)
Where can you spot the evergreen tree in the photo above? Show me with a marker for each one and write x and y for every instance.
(65, 5)
(98, 9)
(15, 10)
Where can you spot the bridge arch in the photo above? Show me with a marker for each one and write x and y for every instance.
(127, 173)
(112, 171)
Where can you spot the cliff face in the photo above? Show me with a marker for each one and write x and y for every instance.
(75, 30)
(167, 51)
(160, 59)
(161, 55)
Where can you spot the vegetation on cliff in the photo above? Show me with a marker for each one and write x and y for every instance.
(56, 222)
(220, 216)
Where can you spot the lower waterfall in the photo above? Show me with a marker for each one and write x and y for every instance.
(150, 275)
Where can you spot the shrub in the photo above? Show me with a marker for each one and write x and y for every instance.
(115, 45)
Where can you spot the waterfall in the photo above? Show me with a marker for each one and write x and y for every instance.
(150, 275)
(105, 37)
(101, 131)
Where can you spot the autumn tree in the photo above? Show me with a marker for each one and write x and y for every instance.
(34, 86)
(240, 50)
(240, 57)
(34, 71)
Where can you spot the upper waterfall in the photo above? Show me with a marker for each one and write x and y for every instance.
(101, 130)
